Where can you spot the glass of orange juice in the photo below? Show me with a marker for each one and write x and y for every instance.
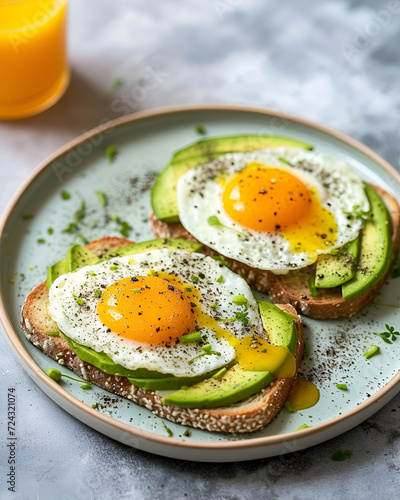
(34, 71)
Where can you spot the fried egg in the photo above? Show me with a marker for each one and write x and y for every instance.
(136, 308)
(273, 209)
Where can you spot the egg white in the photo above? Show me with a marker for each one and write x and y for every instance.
(82, 324)
(199, 197)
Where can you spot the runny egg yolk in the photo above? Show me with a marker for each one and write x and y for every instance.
(146, 309)
(271, 199)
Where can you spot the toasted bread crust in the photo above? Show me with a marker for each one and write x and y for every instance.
(247, 416)
(293, 288)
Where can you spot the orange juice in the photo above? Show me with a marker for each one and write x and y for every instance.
(34, 70)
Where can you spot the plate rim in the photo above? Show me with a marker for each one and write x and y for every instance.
(30, 365)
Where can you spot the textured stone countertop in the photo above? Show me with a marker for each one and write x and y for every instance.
(336, 62)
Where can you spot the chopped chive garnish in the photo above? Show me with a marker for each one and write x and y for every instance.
(79, 301)
(214, 307)
(206, 348)
(220, 279)
(115, 85)
(27, 216)
(94, 406)
(102, 198)
(286, 162)
(188, 289)
(208, 353)
(187, 433)
(191, 337)
(113, 268)
(334, 251)
(264, 351)
(170, 433)
(54, 333)
(152, 272)
(111, 153)
(57, 375)
(289, 407)
(65, 195)
(214, 221)
(193, 304)
(194, 278)
(90, 273)
(339, 455)
(342, 387)
(41, 241)
(313, 289)
(138, 290)
(81, 212)
(371, 351)
(124, 227)
(200, 129)
(221, 260)
(304, 426)
(242, 316)
(71, 228)
(220, 372)
(50, 230)
(84, 240)
(239, 300)
(97, 292)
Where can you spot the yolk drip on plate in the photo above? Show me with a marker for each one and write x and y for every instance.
(270, 199)
(303, 395)
(160, 308)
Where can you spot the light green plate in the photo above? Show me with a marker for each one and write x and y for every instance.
(145, 143)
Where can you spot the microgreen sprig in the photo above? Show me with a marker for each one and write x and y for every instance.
(57, 376)
(388, 336)
(214, 221)
(357, 213)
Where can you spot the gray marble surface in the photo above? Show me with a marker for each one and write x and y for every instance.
(335, 62)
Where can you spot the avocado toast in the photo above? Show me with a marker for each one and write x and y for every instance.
(227, 400)
(340, 280)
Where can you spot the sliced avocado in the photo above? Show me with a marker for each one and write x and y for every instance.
(168, 383)
(222, 145)
(334, 270)
(279, 325)
(171, 243)
(79, 256)
(106, 364)
(236, 384)
(376, 248)
(145, 379)
(163, 193)
(56, 270)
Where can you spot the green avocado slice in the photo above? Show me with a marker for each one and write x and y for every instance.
(78, 256)
(144, 246)
(56, 270)
(145, 379)
(334, 270)
(245, 142)
(376, 248)
(279, 325)
(236, 384)
(163, 193)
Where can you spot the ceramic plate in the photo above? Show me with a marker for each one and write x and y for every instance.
(145, 143)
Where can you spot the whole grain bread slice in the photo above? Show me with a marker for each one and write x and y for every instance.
(293, 288)
(248, 415)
